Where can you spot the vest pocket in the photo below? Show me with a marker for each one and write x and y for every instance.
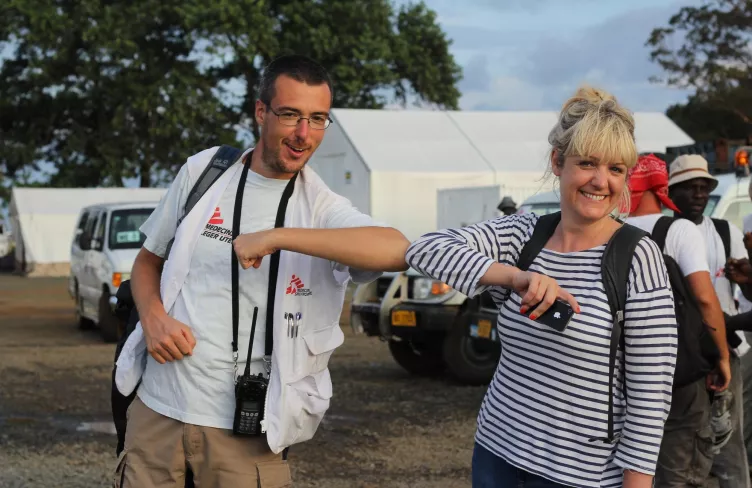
(313, 350)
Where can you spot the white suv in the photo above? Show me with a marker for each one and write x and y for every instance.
(105, 245)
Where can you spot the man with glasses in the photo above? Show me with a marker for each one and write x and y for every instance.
(182, 420)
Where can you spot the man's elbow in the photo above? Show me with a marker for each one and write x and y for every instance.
(399, 251)
(146, 259)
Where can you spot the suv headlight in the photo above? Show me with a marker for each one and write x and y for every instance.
(424, 288)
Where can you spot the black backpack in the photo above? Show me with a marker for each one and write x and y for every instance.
(696, 354)
(126, 310)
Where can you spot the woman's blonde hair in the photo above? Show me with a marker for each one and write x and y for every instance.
(592, 123)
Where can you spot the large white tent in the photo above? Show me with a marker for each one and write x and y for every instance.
(44, 222)
(408, 168)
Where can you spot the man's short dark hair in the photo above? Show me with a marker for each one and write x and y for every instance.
(297, 67)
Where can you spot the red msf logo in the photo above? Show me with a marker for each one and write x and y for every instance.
(216, 219)
(295, 285)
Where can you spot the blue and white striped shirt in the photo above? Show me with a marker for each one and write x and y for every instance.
(549, 395)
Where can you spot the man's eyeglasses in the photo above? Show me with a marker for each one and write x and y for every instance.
(318, 122)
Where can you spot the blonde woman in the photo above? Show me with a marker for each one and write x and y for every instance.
(544, 418)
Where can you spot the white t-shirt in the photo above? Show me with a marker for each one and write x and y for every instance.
(717, 262)
(684, 242)
(199, 389)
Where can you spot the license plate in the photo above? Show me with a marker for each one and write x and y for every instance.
(484, 329)
(404, 318)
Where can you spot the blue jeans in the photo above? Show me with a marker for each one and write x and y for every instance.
(491, 471)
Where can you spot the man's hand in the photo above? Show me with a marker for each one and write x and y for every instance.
(541, 290)
(168, 339)
(719, 379)
(739, 271)
(748, 241)
(251, 248)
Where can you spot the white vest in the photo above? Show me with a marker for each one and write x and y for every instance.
(300, 387)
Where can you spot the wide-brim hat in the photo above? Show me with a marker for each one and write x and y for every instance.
(689, 167)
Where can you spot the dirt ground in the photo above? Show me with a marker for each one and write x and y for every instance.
(384, 428)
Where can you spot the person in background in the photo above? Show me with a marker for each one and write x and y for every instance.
(742, 274)
(544, 419)
(690, 184)
(686, 455)
(507, 206)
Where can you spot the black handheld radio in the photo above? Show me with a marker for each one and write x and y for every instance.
(250, 395)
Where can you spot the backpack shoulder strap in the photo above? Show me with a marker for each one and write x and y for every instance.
(222, 159)
(660, 231)
(615, 266)
(616, 263)
(723, 229)
(544, 229)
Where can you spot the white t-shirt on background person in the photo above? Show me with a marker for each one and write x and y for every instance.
(684, 242)
(717, 262)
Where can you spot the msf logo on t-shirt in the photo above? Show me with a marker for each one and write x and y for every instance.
(297, 288)
(214, 231)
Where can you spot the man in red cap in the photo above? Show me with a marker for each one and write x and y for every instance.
(683, 461)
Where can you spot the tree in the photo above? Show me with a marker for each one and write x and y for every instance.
(375, 53)
(104, 91)
(714, 59)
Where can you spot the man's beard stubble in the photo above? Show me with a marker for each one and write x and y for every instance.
(272, 160)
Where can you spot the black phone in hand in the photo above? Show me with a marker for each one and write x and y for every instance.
(557, 316)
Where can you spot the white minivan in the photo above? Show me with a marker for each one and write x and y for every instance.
(105, 244)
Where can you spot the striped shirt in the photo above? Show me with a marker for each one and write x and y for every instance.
(549, 395)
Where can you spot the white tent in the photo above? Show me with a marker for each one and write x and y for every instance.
(44, 222)
(402, 166)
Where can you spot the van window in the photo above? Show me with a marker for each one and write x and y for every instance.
(736, 212)
(84, 240)
(99, 232)
(124, 228)
(82, 222)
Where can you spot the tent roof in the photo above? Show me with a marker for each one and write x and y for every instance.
(409, 140)
(452, 141)
(72, 200)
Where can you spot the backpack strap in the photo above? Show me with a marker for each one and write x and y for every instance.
(660, 231)
(222, 159)
(723, 229)
(544, 229)
(615, 267)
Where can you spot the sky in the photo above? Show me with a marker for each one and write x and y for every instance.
(532, 54)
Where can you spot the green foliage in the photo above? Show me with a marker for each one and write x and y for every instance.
(715, 59)
(107, 90)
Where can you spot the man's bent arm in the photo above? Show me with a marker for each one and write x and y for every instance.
(364, 248)
(145, 277)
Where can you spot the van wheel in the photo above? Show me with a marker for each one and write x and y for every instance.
(108, 322)
(83, 322)
(469, 360)
(420, 359)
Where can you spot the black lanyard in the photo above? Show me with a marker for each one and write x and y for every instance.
(273, 269)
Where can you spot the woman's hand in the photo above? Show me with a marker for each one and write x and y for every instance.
(537, 289)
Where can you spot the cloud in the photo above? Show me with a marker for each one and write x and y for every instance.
(542, 73)
(475, 75)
